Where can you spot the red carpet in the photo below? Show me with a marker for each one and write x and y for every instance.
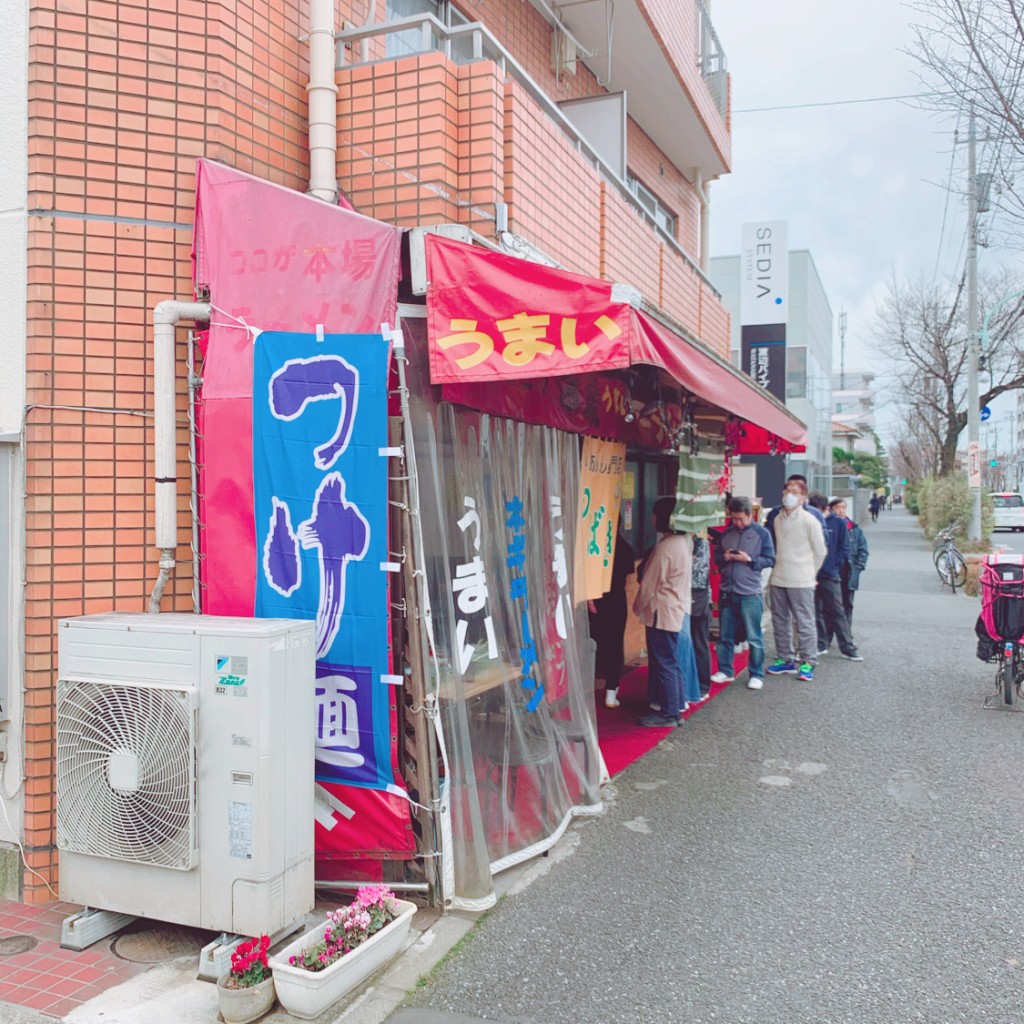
(621, 740)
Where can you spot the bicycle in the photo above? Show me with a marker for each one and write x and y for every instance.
(1001, 625)
(949, 563)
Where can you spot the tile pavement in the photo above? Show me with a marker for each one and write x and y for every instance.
(46, 978)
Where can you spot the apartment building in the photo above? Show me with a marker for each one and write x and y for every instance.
(580, 135)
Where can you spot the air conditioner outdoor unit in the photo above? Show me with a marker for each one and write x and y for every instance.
(185, 759)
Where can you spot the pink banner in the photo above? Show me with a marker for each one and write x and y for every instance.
(277, 260)
(273, 259)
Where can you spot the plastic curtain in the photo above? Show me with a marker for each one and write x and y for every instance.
(515, 663)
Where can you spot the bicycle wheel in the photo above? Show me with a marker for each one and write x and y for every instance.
(1009, 677)
(958, 569)
(942, 565)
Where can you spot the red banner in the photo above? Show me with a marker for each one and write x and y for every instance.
(495, 317)
(274, 259)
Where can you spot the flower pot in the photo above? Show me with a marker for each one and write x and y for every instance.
(242, 1005)
(306, 994)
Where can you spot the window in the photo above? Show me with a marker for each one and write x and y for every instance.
(1007, 501)
(663, 217)
(400, 44)
(796, 372)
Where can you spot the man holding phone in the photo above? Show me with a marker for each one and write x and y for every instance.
(743, 550)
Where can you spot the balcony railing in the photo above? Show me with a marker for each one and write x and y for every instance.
(424, 33)
(711, 59)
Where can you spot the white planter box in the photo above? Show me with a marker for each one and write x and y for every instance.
(306, 994)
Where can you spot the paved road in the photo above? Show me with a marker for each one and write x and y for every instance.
(845, 851)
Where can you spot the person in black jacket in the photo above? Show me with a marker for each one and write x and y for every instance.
(856, 559)
(828, 597)
(608, 615)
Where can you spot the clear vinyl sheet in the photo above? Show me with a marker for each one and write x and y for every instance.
(515, 662)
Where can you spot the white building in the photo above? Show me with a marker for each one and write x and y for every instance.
(808, 357)
(853, 405)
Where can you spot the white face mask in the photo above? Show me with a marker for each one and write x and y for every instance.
(790, 500)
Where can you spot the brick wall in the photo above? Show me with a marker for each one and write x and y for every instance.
(122, 99)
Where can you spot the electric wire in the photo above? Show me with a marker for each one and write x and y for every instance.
(21, 849)
(835, 103)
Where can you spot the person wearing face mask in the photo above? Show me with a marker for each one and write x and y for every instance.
(799, 553)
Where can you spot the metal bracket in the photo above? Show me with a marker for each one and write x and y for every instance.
(215, 957)
(81, 930)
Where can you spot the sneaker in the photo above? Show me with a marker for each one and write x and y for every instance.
(755, 683)
(654, 707)
(821, 653)
(721, 677)
(806, 672)
(611, 698)
(782, 666)
(657, 720)
(853, 657)
(704, 697)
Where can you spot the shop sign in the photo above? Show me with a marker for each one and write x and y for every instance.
(494, 317)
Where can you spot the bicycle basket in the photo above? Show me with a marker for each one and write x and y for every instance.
(1002, 596)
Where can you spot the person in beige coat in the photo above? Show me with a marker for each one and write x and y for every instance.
(799, 553)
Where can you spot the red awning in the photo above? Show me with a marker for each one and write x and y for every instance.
(493, 318)
(718, 383)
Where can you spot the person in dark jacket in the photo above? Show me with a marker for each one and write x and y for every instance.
(828, 595)
(700, 613)
(608, 615)
(742, 551)
(856, 560)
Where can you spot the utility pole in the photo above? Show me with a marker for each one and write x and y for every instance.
(973, 412)
(842, 349)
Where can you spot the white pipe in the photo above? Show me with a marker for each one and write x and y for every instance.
(700, 187)
(165, 316)
(323, 103)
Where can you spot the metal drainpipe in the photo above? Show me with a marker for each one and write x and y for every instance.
(700, 187)
(323, 103)
(165, 316)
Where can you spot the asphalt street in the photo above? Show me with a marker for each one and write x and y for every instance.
(848, 850)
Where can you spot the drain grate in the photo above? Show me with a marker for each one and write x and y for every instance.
(156, 944)
(12, 945)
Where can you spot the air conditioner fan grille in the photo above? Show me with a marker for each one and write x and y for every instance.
(126, 771)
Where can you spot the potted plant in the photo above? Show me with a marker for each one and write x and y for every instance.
(354, 942)
(246, 992)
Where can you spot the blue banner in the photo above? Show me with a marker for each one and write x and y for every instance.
(321, 507)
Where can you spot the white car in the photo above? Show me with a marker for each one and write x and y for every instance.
(1009, 510)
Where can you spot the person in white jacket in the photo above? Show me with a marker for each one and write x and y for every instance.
(799, 552)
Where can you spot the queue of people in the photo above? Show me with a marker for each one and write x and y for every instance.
(814, 554)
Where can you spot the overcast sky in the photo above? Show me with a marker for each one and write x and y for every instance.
(860, 185)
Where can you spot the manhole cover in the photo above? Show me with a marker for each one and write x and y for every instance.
(159, 943)
(12, 945)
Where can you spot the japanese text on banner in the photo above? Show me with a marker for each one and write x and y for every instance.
(601, 477)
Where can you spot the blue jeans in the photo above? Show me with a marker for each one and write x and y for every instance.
(747, 608)
(664, 676)
(688, 664)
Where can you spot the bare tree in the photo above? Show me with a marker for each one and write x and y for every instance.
(920, 335)
(971, 54)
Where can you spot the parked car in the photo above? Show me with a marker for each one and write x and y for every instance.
(1009, 510)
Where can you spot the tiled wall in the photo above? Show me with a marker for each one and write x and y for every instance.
(123, 96)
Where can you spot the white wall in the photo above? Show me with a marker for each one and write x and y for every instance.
(13, 298)
(13, 212)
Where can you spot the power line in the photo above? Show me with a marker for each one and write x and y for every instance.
(835, 103)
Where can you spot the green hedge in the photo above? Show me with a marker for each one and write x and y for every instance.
(939, 501)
